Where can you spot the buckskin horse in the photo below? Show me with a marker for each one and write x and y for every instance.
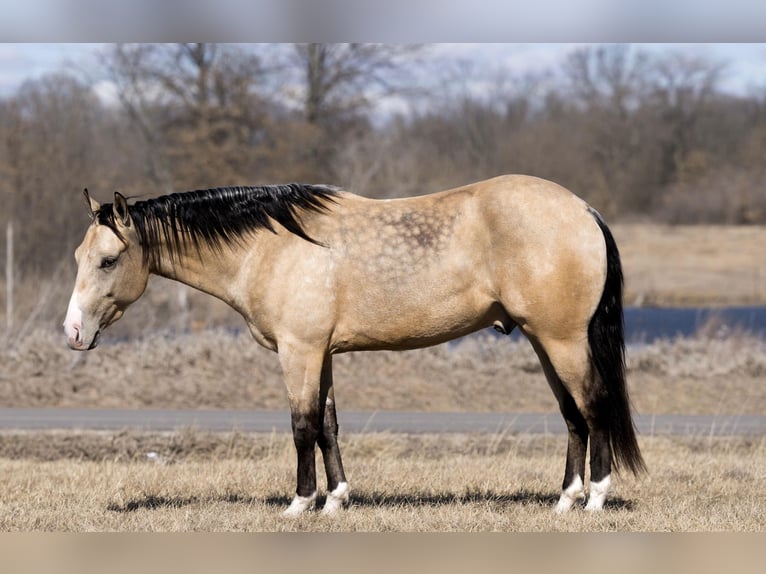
(316, 270)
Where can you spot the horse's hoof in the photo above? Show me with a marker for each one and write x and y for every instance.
(598, 492)
(571, 494)
(336, 499)
(299, 505)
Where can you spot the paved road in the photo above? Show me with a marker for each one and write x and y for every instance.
(350, 421)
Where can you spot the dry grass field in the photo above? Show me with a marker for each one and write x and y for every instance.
(451, 483)
(219, 369)
(690, 265)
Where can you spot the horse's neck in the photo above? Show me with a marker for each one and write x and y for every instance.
(209, 271)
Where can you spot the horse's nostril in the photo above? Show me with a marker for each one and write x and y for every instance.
(73, 333)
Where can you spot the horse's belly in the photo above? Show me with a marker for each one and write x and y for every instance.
(412, 321)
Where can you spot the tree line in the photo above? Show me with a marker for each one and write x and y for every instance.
(639, 135)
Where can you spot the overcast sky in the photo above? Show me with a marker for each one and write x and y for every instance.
(746, 63)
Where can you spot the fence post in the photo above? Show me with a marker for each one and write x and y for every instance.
(9, 276)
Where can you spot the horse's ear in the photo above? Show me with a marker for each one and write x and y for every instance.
(120, 209)
(92, 204)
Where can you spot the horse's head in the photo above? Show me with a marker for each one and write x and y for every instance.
(111, 273)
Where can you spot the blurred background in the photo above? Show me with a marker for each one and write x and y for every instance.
(666, 140)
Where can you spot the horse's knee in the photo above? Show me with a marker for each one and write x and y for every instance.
(305, 428)
(330, 426)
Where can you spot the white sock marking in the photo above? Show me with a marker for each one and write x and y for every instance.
(336, 499)
(299, 505)
(575, 491)
(598, 492)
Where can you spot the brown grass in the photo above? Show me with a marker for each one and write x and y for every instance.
(689, 265)
(218, 369)
(460, 483)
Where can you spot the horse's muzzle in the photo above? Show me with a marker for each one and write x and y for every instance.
(75, 338)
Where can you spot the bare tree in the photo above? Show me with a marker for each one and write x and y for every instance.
(339, 85)
(611, 76)
(682, 91)
(341, 80)
(197, 106)
(608, 84)
(55, 136)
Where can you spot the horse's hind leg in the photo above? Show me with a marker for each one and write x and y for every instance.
(570, 373)
(573, 486)
(337, 487)
(600, 454)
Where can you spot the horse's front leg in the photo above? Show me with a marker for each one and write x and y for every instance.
(337, 487)
(302, 372)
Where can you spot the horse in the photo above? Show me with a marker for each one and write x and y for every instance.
(316, 270)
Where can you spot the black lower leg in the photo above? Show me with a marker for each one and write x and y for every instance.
(578, 442)
(328, 434)
(305, 432)
(328, 444)
(600, 454)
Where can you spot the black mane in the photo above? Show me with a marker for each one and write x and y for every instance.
(218, 216)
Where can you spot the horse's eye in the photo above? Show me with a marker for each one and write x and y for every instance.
(108, 262)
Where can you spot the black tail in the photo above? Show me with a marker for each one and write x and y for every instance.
(607, 346)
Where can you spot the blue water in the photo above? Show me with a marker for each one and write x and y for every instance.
(645, 324)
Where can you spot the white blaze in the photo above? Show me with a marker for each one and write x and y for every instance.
(73, 321)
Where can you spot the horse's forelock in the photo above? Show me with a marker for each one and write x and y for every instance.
(105, 216)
